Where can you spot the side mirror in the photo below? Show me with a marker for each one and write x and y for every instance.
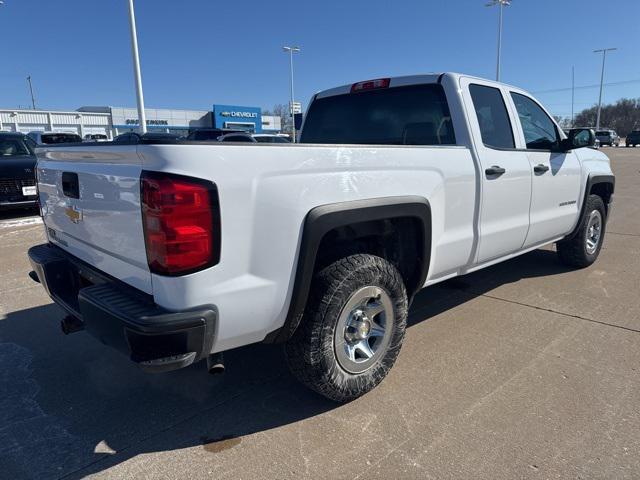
(579, 138)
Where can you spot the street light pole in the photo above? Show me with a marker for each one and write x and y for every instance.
(33, 99)
(502, 4)
(573, 90)
(291, 51)
(142, 118)
(604, 57)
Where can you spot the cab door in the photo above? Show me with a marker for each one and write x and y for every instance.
(505, 171)
(555, 185)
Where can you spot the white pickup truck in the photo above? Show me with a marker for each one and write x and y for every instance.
(173, 252)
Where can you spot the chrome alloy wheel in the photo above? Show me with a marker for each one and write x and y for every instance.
(594, 232)
(363, 331)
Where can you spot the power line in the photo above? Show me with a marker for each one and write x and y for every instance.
(597, 85)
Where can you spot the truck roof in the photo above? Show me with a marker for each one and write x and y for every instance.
(417, 79)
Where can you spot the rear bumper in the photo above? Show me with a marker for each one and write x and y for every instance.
(9, 205)
(123, 317)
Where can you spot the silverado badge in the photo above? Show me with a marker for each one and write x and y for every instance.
(74, 213)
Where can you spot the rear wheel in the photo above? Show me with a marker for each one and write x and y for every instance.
(583, 249)
(352, 329)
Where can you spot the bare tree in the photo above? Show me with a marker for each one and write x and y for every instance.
(622, 116)
(281, 110)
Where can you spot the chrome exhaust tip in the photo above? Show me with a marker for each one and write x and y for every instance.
(215, 364)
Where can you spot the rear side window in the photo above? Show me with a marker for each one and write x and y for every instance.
(539, 130)
(411, 115)
(495, 126)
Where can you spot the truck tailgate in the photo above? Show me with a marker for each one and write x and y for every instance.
(90, 199)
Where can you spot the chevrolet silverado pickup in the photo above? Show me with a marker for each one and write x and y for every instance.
(174, 252)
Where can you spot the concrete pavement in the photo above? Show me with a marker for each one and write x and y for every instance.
(524, 370)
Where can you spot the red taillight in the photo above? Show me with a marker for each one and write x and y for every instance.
(370, 85)
(181, 223)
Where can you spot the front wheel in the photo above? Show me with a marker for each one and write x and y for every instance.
(352, 330)
(583, 249)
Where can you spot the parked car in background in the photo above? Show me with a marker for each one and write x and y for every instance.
(49, 138)
(608, 137)
(17, 172)
(96, 137)
(237, 137)
(633, 139)
(132, 138)
(210, 134)
(269, 138)
(397, 184)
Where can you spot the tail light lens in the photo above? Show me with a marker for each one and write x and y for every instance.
(181, 220)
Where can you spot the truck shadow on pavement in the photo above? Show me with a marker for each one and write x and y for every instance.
(70, 407)
(17, 214)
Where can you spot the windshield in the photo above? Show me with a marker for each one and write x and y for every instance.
(13, 147)
(411, 115)
(603, 133)
(50, 138)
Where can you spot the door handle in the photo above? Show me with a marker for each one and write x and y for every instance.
(495, 170)
(540, 168)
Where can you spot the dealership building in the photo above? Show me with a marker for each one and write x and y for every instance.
(113, 121)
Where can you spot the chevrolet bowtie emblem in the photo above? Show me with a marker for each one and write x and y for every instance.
(74, 214)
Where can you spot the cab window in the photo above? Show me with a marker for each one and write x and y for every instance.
(495, 126)
(540, 132)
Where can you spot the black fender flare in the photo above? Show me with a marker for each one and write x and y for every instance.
(591, 181)
(322, 219)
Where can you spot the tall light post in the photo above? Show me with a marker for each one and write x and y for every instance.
(142, 118)
(573, 90)
(604, 57)
(33, 98)
(501, 4)
(291, 51)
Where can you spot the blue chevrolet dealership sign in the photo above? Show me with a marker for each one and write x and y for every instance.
(238, 117)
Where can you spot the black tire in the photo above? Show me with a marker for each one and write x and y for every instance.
(312, 351)
(575, 251)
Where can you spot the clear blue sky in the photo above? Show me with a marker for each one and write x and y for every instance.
(198, 52)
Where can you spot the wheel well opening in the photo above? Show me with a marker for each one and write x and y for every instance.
(603, 190)
(400, 241)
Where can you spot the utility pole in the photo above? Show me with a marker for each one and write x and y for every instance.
(291, 51)
(604, 57)
(33, 100)
(142, 118)
(573, 90)
(502, 4)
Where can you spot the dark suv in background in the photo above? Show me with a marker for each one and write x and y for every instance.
(17, 172)
(633, 139)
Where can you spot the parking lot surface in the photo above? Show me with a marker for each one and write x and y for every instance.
(524, 370)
